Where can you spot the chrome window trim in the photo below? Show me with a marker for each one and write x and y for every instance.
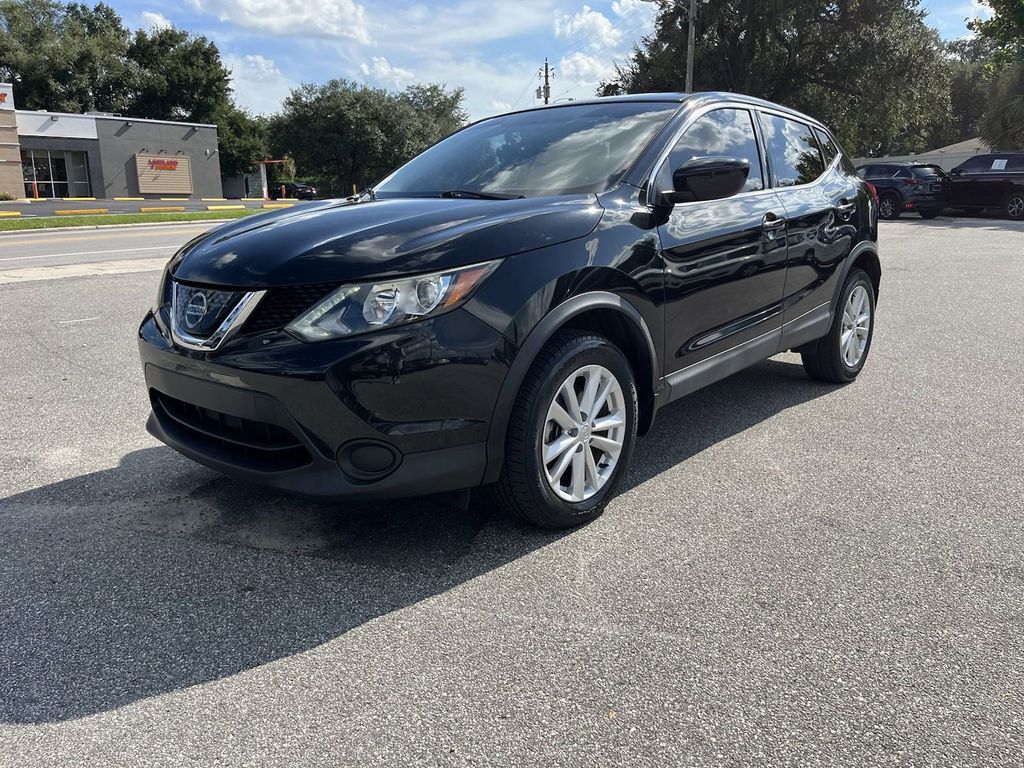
(229, 326)
(754, 110)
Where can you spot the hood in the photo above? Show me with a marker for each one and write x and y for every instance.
(338, 241)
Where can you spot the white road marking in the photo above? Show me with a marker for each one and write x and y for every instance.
(62, 271)
(80, 320)
(90, 253)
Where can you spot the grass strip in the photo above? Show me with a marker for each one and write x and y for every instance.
(119, 218)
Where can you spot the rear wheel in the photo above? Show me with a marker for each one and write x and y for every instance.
(1015, 206)
(889, 206)
(571, 432)
(840, 355)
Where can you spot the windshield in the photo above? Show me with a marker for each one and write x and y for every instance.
(565, 150)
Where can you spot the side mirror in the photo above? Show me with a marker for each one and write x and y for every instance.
(707, 178)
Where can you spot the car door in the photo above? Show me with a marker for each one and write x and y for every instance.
(824, 209)
(724, 259)
(968, 183)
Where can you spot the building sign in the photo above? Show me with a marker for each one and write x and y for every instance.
(6, 96)
(164, 174)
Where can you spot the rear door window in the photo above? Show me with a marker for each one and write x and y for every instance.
(792, 151)
(827, 145)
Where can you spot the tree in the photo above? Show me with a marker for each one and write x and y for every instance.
(243, 139)
(871, 69)
(1003, 124)
(345, 133)
(65, 58)
(181, 76)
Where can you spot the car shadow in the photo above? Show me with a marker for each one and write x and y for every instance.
(157, 574)
(963, 221)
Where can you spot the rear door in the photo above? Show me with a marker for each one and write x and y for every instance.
(725, 260)
(824, 207)
(969, 187)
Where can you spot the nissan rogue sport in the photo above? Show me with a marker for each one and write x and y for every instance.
(513, 306)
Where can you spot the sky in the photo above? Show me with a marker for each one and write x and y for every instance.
(492, 48)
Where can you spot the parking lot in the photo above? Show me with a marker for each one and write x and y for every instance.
(796, 574)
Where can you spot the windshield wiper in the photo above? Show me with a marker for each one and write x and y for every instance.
(461, 193)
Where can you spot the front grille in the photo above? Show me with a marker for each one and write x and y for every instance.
(252, 444)
(282, 305)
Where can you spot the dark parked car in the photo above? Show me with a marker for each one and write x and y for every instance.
(513, 306)
(993, 182)
(903, 187)
(296, 189)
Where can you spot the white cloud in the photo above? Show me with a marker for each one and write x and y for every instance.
(339, 19)
(382, 72)
(623, 8)
(154, 20)
(587, 25)
(582, 66)
(500, 106)
(258, 84)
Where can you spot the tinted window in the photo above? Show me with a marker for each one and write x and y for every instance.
(721, 133)
(563, 150)
(927, 172)
(1016, 163)
(828, 145)
(976, 164)
(795, 157)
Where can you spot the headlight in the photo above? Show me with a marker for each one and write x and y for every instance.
(358, 308)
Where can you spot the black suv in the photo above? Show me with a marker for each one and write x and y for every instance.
(514, 305)
(908, 187)
(295, 189)
(993, 182)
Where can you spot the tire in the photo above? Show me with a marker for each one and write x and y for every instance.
(929, 213)
(828, 359)
(1014, 206)
(524, 488)
(890, 206)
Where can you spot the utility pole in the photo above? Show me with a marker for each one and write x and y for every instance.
(691, 36)
(691, 40)
(548, 73)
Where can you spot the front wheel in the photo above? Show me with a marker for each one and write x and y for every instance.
(840, 355)
(571, 432)
(1015, 206)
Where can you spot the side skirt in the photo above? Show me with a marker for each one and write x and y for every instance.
(801, 330)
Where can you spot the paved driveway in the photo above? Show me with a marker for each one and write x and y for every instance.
(797, 574)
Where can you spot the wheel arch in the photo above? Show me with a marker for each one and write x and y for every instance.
(601, 312)
(863, 256)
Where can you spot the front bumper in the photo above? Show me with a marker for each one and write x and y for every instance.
(398, 413)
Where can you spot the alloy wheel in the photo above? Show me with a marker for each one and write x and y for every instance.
(1015, 207)
(887, 208)
(583, 433)
(853, 340)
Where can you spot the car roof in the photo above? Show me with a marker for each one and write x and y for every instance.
(899, 164)
(678, 97)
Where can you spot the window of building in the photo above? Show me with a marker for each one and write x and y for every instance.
(55, 173)
(794, 153)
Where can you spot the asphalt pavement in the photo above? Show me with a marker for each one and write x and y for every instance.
(796, 574)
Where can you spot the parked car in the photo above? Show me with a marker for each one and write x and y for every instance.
(296, 189)
(920, 187)
(513, 306)
(992, 182)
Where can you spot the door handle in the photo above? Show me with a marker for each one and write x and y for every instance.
(845, 208)
(770, 224)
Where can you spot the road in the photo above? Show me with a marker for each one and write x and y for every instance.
(795, 575)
